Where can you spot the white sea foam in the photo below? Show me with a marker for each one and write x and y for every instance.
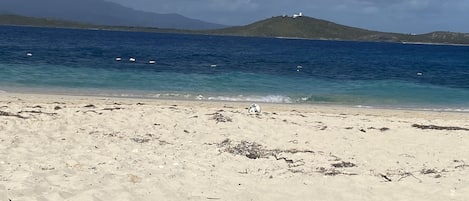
(264, 99)
(364, 106)
(233, 98)
(199, 97)
(436, 109)
(304, 98)
(447, 109)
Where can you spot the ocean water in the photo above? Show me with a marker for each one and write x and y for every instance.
(201, 67)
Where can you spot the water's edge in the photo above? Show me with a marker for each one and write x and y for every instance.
(178, 96)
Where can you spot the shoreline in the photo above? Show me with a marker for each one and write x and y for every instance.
(207, 33)
(60, 147)
(241, 105)
(259, 99)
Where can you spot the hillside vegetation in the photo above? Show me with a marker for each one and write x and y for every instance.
(41, 22)
(311, 28)
(300, 27)
(16, 20)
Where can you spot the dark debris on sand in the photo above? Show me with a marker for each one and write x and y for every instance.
(219, 117)
(380, 129)
(343, 164)
(433, 127)
(113, 108)
(39, 112)
(332, 172)
(140, 140)
(253, 150)
(90, 106)
(9, 114)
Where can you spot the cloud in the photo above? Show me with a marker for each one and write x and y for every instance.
(232, 5)
(170, 6)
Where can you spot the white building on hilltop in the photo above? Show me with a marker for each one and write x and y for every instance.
(298, 15)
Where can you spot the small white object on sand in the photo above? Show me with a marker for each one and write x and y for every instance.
(254, 109)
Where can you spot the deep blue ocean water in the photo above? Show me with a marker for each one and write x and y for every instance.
(234, 68)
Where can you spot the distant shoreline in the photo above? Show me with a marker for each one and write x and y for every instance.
(306, 28)
(405, 43)
(157, 30)
(423, 43)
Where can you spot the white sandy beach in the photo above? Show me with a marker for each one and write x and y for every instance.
(95, 148)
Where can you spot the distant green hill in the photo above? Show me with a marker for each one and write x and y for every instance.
(16, 20)
(42, 22)
(300, 27)
(311, 28)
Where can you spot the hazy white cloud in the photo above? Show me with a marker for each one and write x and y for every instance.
(232, 5)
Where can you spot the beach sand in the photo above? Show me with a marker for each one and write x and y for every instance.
(55, 147)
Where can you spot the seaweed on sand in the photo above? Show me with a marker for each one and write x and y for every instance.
(9, 114)
(434, 127)
(218, 117)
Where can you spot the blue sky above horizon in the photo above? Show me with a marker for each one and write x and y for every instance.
(404, 16)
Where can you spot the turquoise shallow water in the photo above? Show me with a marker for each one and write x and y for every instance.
(234, 68)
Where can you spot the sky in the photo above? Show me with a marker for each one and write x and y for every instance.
(402, 16)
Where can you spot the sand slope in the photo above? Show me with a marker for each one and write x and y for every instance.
(91, 148)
